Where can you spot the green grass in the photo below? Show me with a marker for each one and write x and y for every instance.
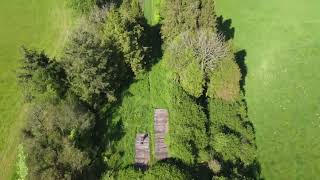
(137, 109)
(282, 86)
(152, 10)
(35, 23)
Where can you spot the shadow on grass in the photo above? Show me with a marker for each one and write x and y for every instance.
(154, 42)
(240, 58)
(252, 171)
(224, 27)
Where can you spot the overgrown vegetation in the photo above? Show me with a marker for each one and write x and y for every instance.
(87, 107)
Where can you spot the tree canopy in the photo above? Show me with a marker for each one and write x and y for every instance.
(55, 140)
(86, 107)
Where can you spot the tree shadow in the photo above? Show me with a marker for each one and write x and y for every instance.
(108, 131)
(224, 27)
(236, 170)
(240, 58)
(153, 42)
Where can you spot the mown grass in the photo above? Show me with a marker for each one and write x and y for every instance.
(40, 24)
(152, 10)
(281, 39)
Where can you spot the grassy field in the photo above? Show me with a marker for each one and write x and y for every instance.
(136, 111)
(152, 10)
(35, 23)
(281, 39)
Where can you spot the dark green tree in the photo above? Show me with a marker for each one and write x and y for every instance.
(126, 27)
(95, 67)
(39, 75)
(57, 140)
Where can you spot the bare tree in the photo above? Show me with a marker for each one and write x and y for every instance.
(207, 47)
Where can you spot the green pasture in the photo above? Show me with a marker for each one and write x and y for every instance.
(35, 23)
(281, 39)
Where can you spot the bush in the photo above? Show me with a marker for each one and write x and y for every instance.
(215, 166)
(192, 79)
(40, 76)
(22, 169)
(166, 171)
(232, 135)
(188, 138)
(224, 81)
(186, 15)
(82, 6)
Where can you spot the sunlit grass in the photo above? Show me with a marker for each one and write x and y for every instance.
(281, 39)
(39, 24)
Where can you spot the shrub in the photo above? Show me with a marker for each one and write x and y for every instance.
(166, 171)
(215, 166)
(57, 140)
(232, 135)
(224, 81)
(233, 148)
(82, 6)
(192, 79)
(187, 132)
(22, 169)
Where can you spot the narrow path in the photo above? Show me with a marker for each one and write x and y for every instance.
(161, 129)
(142, 150)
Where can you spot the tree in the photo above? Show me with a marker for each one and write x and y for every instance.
(225, 81)
(94, 67)
(207, 47)
(207, 17)
(179, 16)
(198, 52)
(56, 139)
(125, 26)
(186, 15)
(39, 75)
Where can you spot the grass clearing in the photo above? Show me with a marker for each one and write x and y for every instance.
(136, 111)
(36, 23)
(152, 10)
(281, 39)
